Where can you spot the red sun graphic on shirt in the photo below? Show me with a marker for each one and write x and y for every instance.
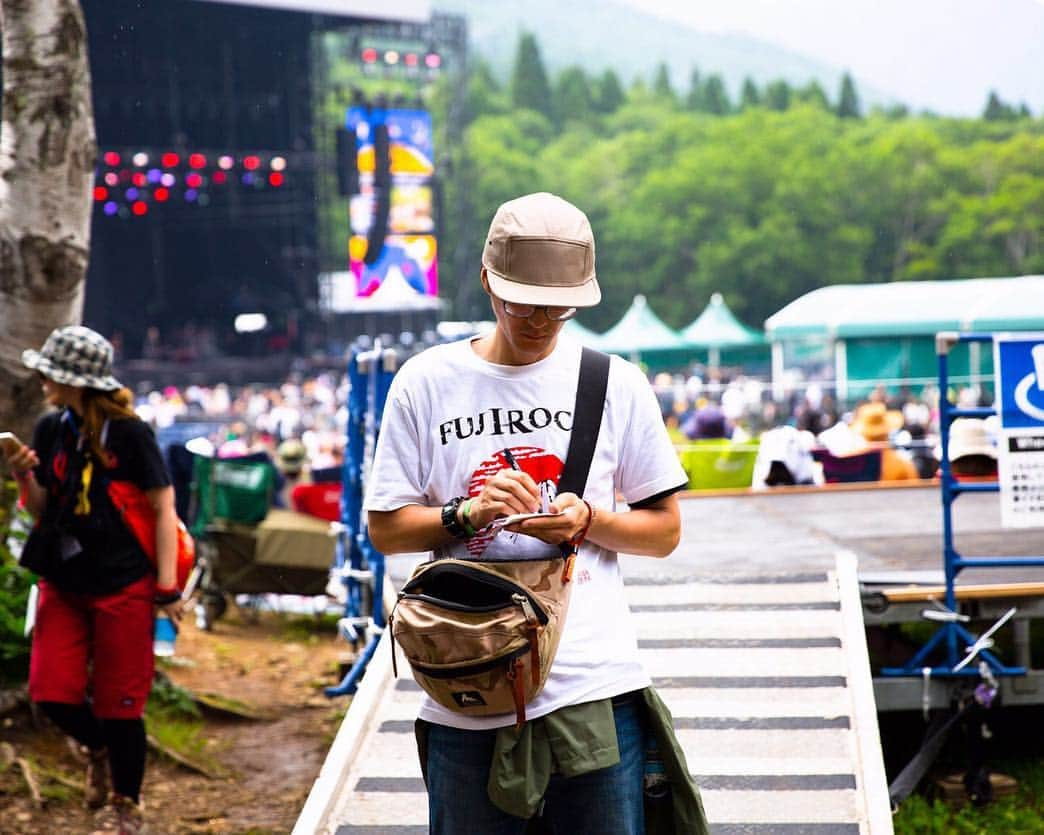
(545, 468)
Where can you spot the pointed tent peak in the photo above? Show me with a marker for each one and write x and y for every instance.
(717, 326)
(638, 330)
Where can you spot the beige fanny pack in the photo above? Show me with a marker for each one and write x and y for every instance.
(480, 636)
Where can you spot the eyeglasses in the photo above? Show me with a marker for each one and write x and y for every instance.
(525, 311)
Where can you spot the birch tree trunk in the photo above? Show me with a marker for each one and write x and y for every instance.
(47, 154)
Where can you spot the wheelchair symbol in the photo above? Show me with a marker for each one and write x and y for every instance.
(1026, 384)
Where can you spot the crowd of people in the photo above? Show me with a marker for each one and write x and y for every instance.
(814, 438)
(311, 411)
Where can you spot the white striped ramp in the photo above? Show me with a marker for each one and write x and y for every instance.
(770, 689)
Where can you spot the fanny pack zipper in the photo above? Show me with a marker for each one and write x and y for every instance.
(489, 578)
(471, 669)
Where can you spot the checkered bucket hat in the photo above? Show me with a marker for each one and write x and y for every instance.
(76, 356)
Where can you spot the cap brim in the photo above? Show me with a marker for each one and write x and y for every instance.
(587, 294)
(38, 362)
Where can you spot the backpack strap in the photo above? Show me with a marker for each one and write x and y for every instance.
(587, 420)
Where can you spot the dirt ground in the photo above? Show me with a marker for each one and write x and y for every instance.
(273, 664)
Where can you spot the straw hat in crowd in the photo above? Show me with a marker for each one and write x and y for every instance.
(875, 421)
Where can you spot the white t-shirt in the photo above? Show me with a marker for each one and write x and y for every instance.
(449, 418)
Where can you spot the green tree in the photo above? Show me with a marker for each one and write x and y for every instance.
(694, 97)
(848, 100)
(485, 95)
(813, 93)
(573, 100)
(715, 97)
(608, 93)
(662, 83)
(777, 95)
(530, 89)
(997, 110)
(749, 95)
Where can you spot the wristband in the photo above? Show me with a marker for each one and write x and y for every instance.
(580, 537)
(164, 597)
(21, 477)
(465, 509)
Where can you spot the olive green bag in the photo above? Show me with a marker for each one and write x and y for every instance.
(480, 636)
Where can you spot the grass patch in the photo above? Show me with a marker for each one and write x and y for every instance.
(308, 628)
(1021, 813)
(174, 720)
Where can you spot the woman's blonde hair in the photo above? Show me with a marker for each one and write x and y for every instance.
(100, 406)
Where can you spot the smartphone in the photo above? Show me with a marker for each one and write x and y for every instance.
(9, 443)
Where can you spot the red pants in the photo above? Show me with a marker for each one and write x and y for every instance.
(104, 641)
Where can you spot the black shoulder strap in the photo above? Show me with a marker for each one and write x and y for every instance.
(587, 420)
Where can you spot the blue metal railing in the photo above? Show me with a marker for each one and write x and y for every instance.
(360, 565)
(952, 635)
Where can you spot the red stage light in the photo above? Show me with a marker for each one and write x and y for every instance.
(250, 163)
(161, 195)
(100, 192)
(369, 55)
(139, 207)
(219, 177)
(193, 180)
(411, 59)
(169, 160)
(111, 158)
(197, 161)
(275, 179)
(139, 179)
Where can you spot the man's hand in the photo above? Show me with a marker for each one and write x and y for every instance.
(504, 494)
(572, 519)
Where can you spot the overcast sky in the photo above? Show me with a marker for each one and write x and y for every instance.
(940, 54)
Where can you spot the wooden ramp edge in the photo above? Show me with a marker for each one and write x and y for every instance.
(768, 680)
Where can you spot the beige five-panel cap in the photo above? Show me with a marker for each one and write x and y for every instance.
(540, 250)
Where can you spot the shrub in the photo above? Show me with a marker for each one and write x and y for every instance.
(15, 583)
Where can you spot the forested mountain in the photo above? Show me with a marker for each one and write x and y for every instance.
(761, 197)
(601, 34)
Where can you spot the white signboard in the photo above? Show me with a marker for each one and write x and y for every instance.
(414, 11)
(1018, 360)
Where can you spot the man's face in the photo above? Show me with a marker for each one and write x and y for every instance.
(525, 340)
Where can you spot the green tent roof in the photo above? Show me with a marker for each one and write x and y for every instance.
(639, 330)
(717, 327)
(912, 308)
(585, 336)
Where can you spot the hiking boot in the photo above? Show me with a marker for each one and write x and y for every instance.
(96, 783)
(121, 817)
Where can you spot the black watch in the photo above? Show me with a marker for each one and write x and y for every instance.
(449, 518)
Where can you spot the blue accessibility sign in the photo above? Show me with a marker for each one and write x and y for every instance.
(1019, 365)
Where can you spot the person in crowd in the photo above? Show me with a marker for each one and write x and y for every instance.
(538, 268)
(292, 462)
(973, 453)
(98, 588)
(876, 423)
(707, 423)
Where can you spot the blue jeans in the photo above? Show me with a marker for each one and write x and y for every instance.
(603, 802)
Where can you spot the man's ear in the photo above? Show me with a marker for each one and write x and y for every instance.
(485, 282)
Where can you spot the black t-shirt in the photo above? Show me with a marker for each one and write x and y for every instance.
(101, 555)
